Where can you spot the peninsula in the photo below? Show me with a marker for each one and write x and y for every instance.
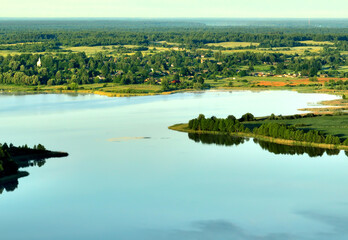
(324, 131)
(13, 158)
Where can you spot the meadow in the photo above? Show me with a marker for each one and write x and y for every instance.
(317, 43)
(233, 44)
(333, 125)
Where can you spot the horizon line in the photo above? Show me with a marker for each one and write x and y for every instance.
(190, 18)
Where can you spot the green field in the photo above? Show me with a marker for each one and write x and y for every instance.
(285, 50)
(233, 44)
(317, 43)
(4, 53)
(169, 43)
(111, 51)
(333, 125)
(343, 69)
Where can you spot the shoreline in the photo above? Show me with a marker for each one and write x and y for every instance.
(26, 90)
(329, 106)
(183, 127)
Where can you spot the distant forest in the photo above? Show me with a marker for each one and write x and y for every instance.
(192, 33)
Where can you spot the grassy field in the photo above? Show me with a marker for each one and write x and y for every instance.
(317, 43)
(95, 49)
(343, 69)
(109, 50)
(294, 50)
(8, 52)
(169, 43)
(334, 125)
(116, 88)
(4, 53)
(250, 81)
(233, 44)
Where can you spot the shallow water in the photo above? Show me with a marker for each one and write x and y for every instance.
(129, 177)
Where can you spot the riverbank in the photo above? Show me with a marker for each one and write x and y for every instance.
(183, 127)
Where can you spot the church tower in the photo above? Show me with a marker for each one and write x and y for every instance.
(39, 63)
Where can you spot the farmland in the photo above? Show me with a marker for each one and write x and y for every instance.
(233, 44)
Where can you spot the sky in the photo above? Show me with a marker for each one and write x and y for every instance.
(175, 8)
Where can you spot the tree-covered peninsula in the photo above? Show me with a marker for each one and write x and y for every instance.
(300, 130)
(12, 158)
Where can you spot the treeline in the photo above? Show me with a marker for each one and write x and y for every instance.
(286, 132)
(274, 130)
(230, 124)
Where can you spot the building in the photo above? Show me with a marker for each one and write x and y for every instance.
(38, 64)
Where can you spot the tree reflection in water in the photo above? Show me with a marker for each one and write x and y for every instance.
(12, 185)
(9, 186)
(227, 140)
(295, 150)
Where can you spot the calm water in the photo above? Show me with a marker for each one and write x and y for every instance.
(129, 177)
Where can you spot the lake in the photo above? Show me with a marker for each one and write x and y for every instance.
(129, 177)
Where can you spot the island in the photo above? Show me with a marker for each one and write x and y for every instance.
(13, 158)
(327, 131)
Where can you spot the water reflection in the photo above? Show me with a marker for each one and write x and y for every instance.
(31, 163)
(224, 140)
(295, 150)
(11, 184)
(274, 148)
